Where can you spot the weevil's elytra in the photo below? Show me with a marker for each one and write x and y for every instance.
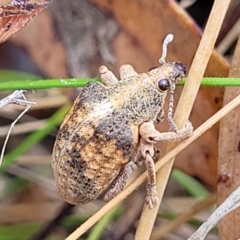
(111, 127)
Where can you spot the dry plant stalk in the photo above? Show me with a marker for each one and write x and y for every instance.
(230, 204)
(165, 159)
(185, 104)
(17, 97)
(228, 152)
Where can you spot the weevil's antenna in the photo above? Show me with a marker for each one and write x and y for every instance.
(166, 41)
(162, 60)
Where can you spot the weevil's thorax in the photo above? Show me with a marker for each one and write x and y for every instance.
(141, 97)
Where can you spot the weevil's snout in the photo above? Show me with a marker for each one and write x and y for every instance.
(180, 67)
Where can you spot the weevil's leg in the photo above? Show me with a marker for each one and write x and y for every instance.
(160, 116)
(126, 71)
(120, 181)
(140, 159)
(151, 135)
(107, 76)
(147, 152)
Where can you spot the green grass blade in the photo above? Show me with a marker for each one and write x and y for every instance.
(21, 231)
(99, 228)
(191, 185)
(81, 82)
(218, 82)
(45, 84)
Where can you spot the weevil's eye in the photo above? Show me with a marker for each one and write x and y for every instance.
(164, 84)
(180, 67)
(150, 69)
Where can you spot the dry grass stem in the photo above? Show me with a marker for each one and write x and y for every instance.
(27, 160)
(230, 204)
(18, 98)
(231, 36)
(50, 101)
(228, 155)
(165, 159)
(183, 217)
(28, 212)
(22, 128)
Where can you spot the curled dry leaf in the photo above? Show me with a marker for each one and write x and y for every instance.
(16, 14)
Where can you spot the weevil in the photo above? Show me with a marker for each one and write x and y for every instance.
(110, 128)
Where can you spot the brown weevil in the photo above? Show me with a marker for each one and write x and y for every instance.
(111, 127)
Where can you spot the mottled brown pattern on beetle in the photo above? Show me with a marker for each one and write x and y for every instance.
(96, 145)
(118, 128)
(98, 94)
(99, 156)
(85, 102)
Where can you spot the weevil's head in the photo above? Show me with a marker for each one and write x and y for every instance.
(167, 74)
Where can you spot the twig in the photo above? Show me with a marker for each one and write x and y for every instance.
(34, 137)
(17, 97)
(230, 204)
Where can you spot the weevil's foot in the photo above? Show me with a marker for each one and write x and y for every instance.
(187, 130)
(152, 199)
